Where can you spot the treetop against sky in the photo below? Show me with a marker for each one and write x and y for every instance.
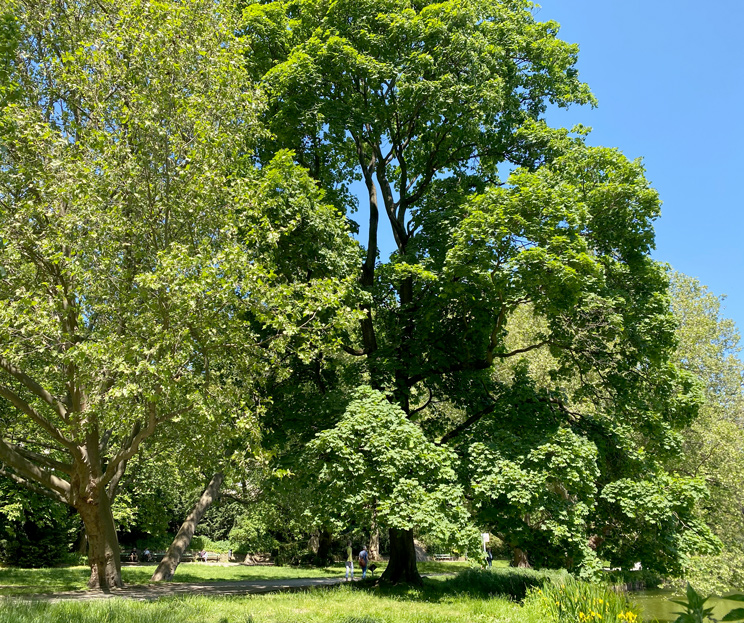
(664, 88)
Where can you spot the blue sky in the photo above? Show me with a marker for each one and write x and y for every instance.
(669, 77)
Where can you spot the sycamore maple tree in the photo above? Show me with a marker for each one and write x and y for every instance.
(139, 278)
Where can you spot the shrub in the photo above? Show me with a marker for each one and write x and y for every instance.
(205, 543)
(573, 601)
(514, 583)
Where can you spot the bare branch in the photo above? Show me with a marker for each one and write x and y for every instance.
(426, 404)
(122, 466)
(129, 450)
(462, 427)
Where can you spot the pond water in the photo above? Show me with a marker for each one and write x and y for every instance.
(656, 606)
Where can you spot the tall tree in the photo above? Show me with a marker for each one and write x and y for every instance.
(428, 104)
(138, 246)
(713, 447)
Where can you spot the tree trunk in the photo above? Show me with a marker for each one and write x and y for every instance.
(374, 544)
(103, 544)
(167, 567)
(402, 565)
(325, 540)
(519, 559)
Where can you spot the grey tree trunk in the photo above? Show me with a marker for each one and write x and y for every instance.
(167, 567)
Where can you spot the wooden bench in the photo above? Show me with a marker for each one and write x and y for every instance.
(443, 557)
(210, 557)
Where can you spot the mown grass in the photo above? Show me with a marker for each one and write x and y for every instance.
(29, 581)
(434, 603)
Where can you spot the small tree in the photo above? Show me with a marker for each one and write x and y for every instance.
(377, 466)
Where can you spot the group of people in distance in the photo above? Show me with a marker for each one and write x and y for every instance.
(363, 559)
(146, 555)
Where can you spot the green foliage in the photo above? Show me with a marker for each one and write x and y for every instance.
(535, 483)
(428, 104)
(252, 532)
(712, 448)
(151, 275)
(376, 465)
(512, 583)
(696, 612)
(34, 530)
(199, 542)
(571, 601)
(663, 510)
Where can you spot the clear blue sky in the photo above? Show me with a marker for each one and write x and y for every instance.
(669, 77)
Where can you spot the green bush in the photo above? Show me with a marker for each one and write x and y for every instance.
(203, 542)
(514, 583)
(574, 601)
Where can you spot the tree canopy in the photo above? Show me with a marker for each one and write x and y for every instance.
(142, 276)
(498, 220)
(177, 271)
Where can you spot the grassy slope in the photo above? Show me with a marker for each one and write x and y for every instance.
(29, 581)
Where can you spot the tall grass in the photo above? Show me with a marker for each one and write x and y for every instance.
(513, 583)
(573, 601)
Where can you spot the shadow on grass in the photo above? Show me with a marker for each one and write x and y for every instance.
(476, 583)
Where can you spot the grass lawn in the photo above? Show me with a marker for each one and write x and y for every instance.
(434, 603)
(28, 581)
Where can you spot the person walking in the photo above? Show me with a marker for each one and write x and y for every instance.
(489, 557)
(364, 561)
(349, 562)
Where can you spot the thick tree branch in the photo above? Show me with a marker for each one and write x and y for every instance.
(472, 365)
(34, 387)
(30, 471)
(356, 352)
(26, 408)
(45, 461)
(48, 493)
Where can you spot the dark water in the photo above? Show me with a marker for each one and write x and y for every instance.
(656, 606)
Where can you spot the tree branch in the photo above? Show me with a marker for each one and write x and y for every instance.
(122, 466)
(48, 493)
(33, 386)
(33, 472)
(127, 453)
(26, 408)
(46, 461)
(462, 427)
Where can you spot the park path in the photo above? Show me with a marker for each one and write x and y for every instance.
(148, 592)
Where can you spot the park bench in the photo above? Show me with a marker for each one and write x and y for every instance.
(443, 557)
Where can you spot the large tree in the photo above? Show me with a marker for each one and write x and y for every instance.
(139, 249)
(431, 105)
(713, 447)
